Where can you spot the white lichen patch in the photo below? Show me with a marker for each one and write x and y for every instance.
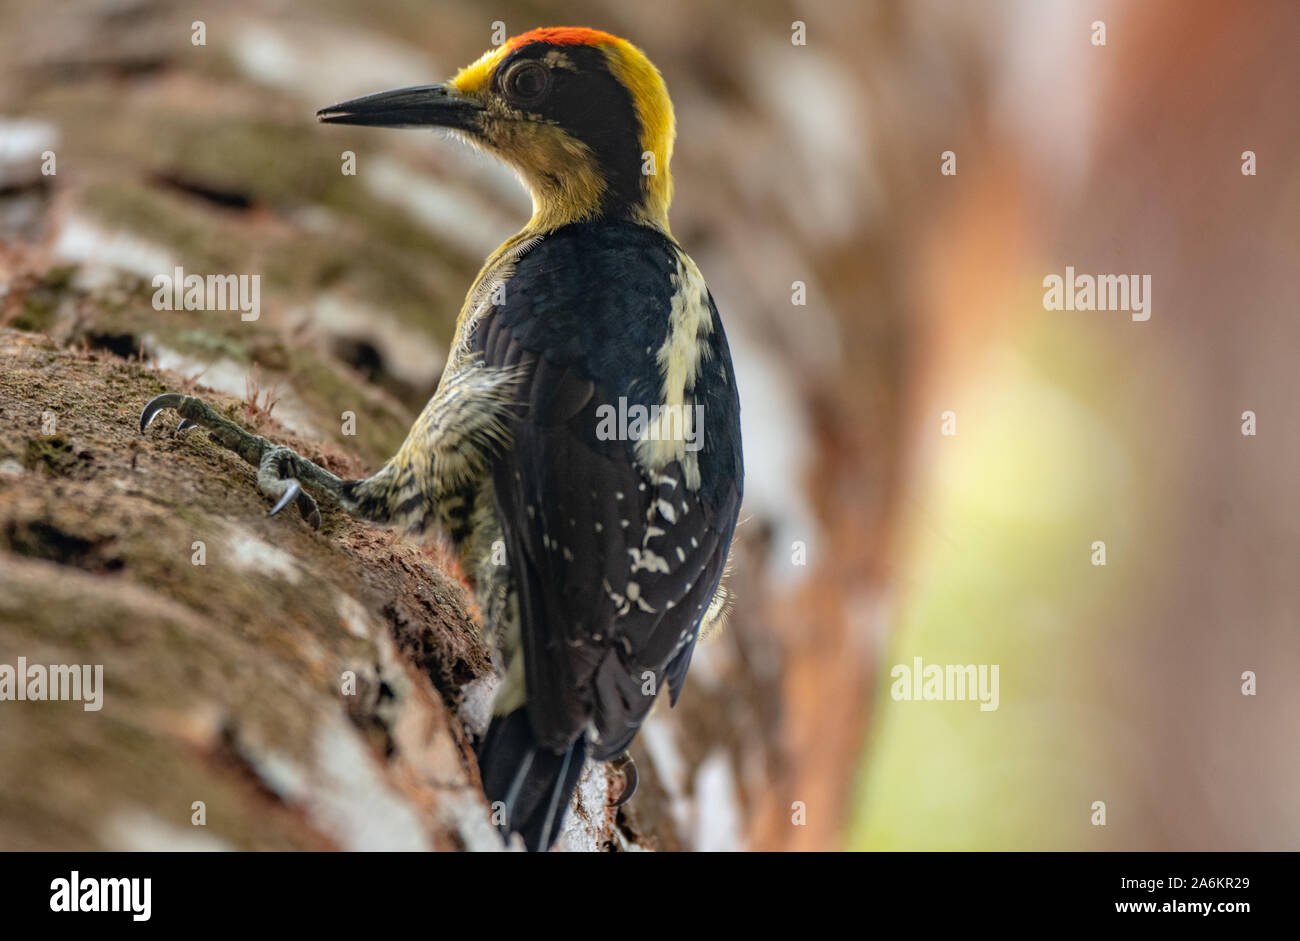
(465, 812)
(103, 255)
(353, 615)
(139, 831)
(248, 553)
(343, 792)
(476, 703)
(778, 439)
(586, 826)
(354, 803)
(717, 813)
(658, 737)
(322, 63)
(22, 142)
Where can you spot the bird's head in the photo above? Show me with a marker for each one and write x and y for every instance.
(582, 116)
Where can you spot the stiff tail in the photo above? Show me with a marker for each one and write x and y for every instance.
(528, 784)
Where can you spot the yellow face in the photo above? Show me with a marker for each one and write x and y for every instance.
(581, 115)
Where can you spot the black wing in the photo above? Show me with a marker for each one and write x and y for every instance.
(613, 565)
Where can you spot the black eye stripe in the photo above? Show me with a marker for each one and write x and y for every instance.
(589, 103)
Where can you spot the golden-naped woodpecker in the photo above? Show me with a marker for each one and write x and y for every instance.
(587, 422)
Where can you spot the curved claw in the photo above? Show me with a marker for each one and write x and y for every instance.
(285, 489)
(156, 405)
(290, 494)
(185, 423)
(625, 766)
(306, 505)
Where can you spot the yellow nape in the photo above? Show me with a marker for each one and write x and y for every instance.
(658, 124)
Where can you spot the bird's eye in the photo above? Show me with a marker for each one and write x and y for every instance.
(527, 82)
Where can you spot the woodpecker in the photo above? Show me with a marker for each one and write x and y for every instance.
(582, 451)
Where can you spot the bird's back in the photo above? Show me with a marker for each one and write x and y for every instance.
(618, 493)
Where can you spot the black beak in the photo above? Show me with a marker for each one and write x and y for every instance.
(419, 106)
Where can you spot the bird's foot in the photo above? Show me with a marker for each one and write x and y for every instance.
(279, 469)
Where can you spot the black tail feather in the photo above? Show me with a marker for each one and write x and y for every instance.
(530, 785)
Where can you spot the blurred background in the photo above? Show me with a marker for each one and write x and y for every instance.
(932, 455)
